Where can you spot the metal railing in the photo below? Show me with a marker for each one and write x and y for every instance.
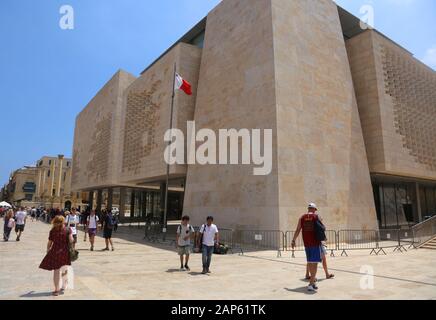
(247, 240)
(392, 238)
(358, 240)
(344, 240)
(330, 244)
(424, 232)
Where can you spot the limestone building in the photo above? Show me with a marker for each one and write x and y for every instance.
(48, 184)
(22, 186)
(352, 115)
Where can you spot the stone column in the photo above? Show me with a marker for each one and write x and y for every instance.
(38, 185)
(418, 202)
(52, 176)
(60, 164)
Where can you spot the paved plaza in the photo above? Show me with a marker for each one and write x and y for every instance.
(140, 270)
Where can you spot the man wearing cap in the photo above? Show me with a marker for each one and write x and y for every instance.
(306, 225)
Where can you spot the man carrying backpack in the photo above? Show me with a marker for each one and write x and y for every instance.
(183, 239)
(208, 240)
(313, 234)
(108, 226)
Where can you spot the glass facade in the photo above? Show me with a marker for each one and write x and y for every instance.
(138, 204)
(397, 203)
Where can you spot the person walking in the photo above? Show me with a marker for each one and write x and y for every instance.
(20, 222)
(328, 275)
(57, 255)
(84, 217)
(92, 226)
(9, 224)
(184, 235)
(208, 240)
(312, 245)
(108, 226)
(72, 222)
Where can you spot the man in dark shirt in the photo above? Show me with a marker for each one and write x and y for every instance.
(306, 225)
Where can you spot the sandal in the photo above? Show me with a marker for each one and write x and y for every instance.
(330, 276)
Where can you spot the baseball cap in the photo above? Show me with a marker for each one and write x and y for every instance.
(312, 206)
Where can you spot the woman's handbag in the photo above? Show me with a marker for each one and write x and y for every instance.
(73, 253)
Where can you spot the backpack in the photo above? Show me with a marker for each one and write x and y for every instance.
(110, 221)
(319, 231)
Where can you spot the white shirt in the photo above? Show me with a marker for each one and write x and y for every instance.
(20, 216)
(184, 231)
(209, 234)
(92, 222)
(72, 220)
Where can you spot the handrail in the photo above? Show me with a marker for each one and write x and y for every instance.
(424, 231)
(424, 222)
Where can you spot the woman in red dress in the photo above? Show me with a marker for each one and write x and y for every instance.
(57, 251)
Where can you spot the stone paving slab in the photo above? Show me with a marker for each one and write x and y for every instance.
(140, 270)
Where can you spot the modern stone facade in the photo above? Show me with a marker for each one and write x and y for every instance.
(352, 116)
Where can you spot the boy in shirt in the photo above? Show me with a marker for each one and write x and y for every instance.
(183, 240)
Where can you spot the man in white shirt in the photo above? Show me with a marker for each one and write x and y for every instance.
(92, 224)
(20, 222)
(209, 239)
(72, 221)
(183, 239)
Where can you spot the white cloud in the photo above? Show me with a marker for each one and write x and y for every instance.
(430, 57)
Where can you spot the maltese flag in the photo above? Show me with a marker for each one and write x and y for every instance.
(182, 84)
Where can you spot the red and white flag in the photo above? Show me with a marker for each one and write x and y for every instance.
(182, 84)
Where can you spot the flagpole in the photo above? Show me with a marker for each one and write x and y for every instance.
(169, 152)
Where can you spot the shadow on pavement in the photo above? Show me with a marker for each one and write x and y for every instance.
(33, 294)
(300, 290)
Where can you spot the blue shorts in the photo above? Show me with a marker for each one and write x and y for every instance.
(314, 254)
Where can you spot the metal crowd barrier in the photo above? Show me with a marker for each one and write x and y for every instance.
(358, 240)
(391, 238)
(247, 240)
(330, 244)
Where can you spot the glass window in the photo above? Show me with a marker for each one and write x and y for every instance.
(431, 203)
(423, 200)
(128, 203)
(116, 197)
(104, 199)
(48, 173)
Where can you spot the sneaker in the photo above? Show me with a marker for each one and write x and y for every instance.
(182, 268)
(312, 288)
(187, 268)
(204, 271)
(106, 249)
(18, 239)
(113, 249)
(92, 248)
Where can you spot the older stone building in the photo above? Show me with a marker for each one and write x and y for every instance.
(48, 184)
(22, 186)
(352, 115)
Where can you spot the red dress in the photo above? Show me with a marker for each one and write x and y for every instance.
(58, 256)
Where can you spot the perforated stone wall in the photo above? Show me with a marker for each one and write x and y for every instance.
(142, 116)
(98, 163)
(412, 87)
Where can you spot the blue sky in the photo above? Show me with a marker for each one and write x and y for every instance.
(48, 74)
